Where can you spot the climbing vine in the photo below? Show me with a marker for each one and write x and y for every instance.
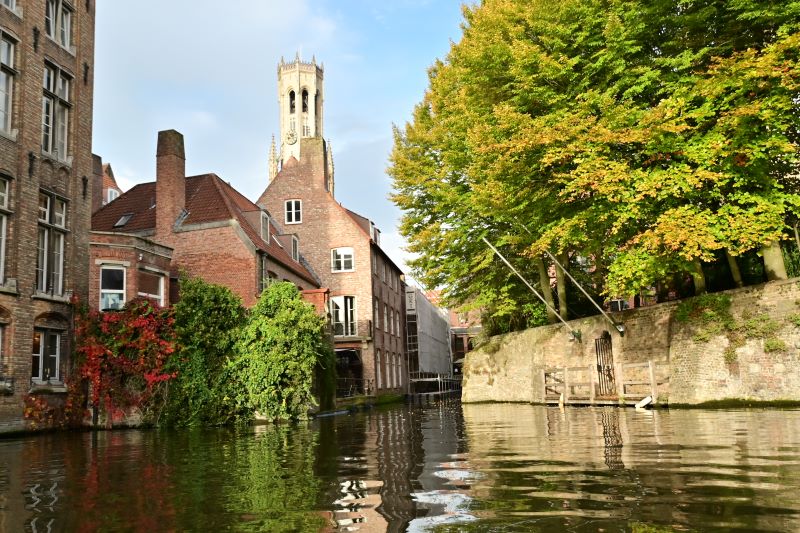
(122, 355)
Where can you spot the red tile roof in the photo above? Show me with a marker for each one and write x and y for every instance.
(208, 199)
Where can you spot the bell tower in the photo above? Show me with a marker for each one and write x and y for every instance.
(300, 100)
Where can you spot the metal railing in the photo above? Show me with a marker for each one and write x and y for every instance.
(349, 387)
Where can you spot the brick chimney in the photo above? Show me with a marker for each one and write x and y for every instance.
(170, 181)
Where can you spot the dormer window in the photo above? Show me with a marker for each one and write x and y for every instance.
(265, 227)
(292, 103)
(295, 248)
(124, 219)
(112, 194)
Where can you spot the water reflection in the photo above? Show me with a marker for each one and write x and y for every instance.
(440, 468)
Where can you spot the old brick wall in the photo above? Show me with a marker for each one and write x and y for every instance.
(29, 169)
(509, 367)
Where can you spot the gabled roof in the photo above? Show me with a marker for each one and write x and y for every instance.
(109, 181)
(208, 199)
(364, 223)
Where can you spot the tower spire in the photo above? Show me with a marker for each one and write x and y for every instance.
(273, 161)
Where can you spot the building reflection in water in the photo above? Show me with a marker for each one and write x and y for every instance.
(410, 472)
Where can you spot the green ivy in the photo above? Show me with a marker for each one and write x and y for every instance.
(278, 352)
(208, 321)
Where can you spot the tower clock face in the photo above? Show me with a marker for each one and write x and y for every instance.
(291, 137)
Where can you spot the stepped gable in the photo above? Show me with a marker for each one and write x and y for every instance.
(208, 199)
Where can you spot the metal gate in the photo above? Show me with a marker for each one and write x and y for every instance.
(605, 365)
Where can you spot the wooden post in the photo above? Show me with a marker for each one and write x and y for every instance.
(566, 385)
(653, 383)
(591, 375)
(620, 382)
(544, 386)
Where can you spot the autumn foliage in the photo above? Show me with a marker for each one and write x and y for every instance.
(121, 355)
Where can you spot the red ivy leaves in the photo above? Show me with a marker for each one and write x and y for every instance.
(122, 354)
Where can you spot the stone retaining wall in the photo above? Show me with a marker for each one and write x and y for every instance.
(509, 368)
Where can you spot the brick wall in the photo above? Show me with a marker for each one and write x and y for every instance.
(326, 225)
(509, 367)
(30, 170)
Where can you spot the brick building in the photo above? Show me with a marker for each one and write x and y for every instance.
(343, 248)
(197, 224)
(46, 92)
(104, 188)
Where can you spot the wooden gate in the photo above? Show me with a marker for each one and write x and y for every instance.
(605, 365)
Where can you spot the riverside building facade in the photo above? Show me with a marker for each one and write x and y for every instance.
(46, 94)
(342, 247)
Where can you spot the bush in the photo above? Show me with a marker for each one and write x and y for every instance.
(280, 348)
(208, 320)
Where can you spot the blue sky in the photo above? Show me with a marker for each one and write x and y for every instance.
(208, 69)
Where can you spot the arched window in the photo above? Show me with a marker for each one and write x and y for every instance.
(291, 102)
(305, 101)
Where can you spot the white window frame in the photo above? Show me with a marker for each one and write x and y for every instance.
(50, 244)
(56, 107)
(122, 292)
(39, 366)
(112, 195)
(159, 298)
(397, 323)
(386, 320)
(343, 311)
(339, 258)
(378, 380)
(4, 190)
(295, 248)
(58, 22)
(293, 211)
(265, 226)
(7, 79)
(376, 313)
(10, 4)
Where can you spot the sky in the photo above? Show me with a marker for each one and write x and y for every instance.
(209, 70)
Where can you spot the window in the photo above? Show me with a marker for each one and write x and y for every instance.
(305, 101)
(397, 323)
(387, 322)
(7, 73)
(58, 22)
(113, 194)
(124, 219)
(50, 248)
(45, 356)
(344, 315)
(306, 127)
(342, 260)
(292, 103)
(10, 4)
(376, 313)
(265, 226)
(295, 248)
(294, 211)
(55, 111)
(112, 287)
(3, 227)
(389, 373)
(374, 263)
(378, 380)
(151, 285)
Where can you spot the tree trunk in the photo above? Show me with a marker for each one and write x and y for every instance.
(773, 261)
(699, 279)
(797, 235)
(561, 286)
(734, 266)
(547, 292)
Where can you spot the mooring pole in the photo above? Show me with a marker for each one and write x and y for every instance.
(575, 334)
(619, 327)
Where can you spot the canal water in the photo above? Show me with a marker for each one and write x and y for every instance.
(446, 467)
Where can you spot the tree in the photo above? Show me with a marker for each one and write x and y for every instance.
(646, 136)
(279, 349)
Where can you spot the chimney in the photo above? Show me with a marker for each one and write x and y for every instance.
(170, 181)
